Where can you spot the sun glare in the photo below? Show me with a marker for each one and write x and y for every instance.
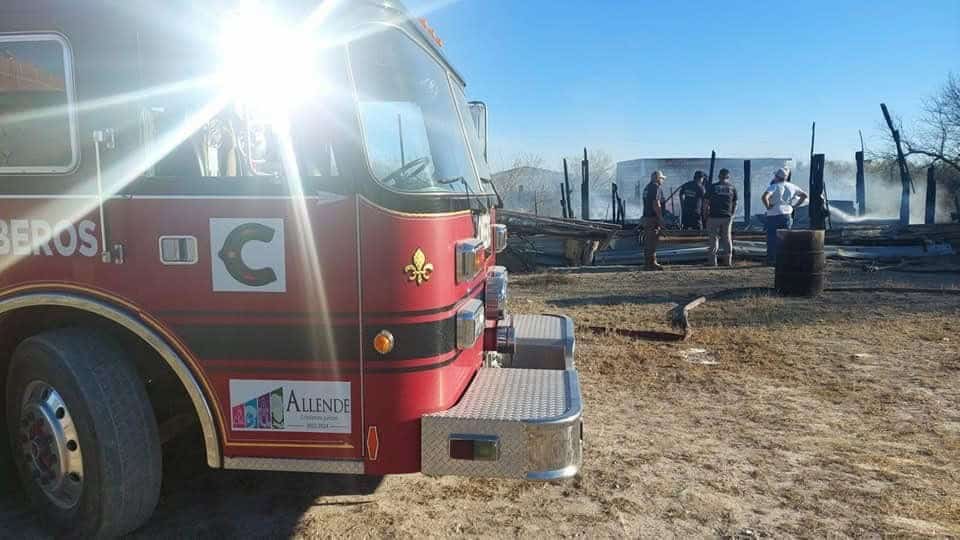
(265, 63)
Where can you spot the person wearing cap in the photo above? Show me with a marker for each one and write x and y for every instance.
(652, 219)
(780, 198)
(691, 202)
(721, 207)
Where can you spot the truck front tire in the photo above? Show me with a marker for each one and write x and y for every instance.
(83, 435)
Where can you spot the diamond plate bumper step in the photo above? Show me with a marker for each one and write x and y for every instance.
(542, 342)
(531, 416)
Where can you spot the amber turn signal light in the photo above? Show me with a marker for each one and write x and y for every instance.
(383, 342)
(470, 258)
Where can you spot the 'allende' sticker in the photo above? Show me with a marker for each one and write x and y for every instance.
(293, 406)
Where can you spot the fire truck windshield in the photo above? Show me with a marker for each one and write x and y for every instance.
(412, 125)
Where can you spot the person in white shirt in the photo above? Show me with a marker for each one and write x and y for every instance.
(780, 199)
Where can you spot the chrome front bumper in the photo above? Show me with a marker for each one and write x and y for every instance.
(527, 418)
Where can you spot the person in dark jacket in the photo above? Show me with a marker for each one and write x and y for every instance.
(692, 196)
(721, 207)
(652, 219)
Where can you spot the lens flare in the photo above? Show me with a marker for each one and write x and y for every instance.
(266, 63)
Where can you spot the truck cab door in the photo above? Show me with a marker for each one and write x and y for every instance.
(250, 261)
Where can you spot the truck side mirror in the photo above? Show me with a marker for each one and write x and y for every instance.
(478, 110)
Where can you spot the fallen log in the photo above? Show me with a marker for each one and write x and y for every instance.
(679, 319)
(679, 316)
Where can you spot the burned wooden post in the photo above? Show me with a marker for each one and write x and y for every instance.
(563, 202)
(746, 192)
(818, 202)
(713, 162)
(813, 140)
(861, 186)
(813, 137)
(567, 190)
(585, 187)
(613, 201)
(930, 217)
(905, 180)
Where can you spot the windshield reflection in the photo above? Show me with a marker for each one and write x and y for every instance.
(412, 131)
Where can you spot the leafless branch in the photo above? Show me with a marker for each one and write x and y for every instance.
(936, 138)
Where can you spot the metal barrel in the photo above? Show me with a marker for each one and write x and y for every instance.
(801, 263)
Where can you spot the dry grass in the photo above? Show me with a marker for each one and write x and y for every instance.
(830, 417)
(535, 281)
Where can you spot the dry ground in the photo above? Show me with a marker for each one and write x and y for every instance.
(836, 417)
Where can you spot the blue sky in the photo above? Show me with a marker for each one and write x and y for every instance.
(669, 79)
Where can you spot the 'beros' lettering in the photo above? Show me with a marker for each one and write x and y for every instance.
(37, 237)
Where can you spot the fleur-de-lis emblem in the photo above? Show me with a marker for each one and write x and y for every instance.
(420, 270)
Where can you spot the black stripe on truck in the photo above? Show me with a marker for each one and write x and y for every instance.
(302, 343)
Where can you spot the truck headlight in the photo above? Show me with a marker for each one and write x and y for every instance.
(470, 323)
(495, 294)
(470, 258)
(499, 237)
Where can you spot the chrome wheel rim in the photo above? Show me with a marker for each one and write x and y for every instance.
(49, 444)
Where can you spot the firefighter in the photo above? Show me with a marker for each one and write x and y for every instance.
(721, 205)
(692, 196)
(781, 198)
(653, 219)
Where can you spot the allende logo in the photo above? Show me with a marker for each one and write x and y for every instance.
(305, 406)
(318, 404)
(247, 255)
(267, 411)
(39, 237)
(262, 412)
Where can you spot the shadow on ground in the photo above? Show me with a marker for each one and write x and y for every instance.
(198, 502)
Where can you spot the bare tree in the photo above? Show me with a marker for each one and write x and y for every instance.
(939, 136)
(528, 186)
(518, 173)
(602, 170)
(936, 138)
(934, 141)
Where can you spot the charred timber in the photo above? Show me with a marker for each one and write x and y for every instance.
(524, 224)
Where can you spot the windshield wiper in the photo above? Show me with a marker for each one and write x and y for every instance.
(495, 192)
(471, 195)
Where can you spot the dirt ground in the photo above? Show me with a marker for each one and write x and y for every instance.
(834, 417)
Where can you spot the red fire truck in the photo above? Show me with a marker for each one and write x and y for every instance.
(276, 222)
